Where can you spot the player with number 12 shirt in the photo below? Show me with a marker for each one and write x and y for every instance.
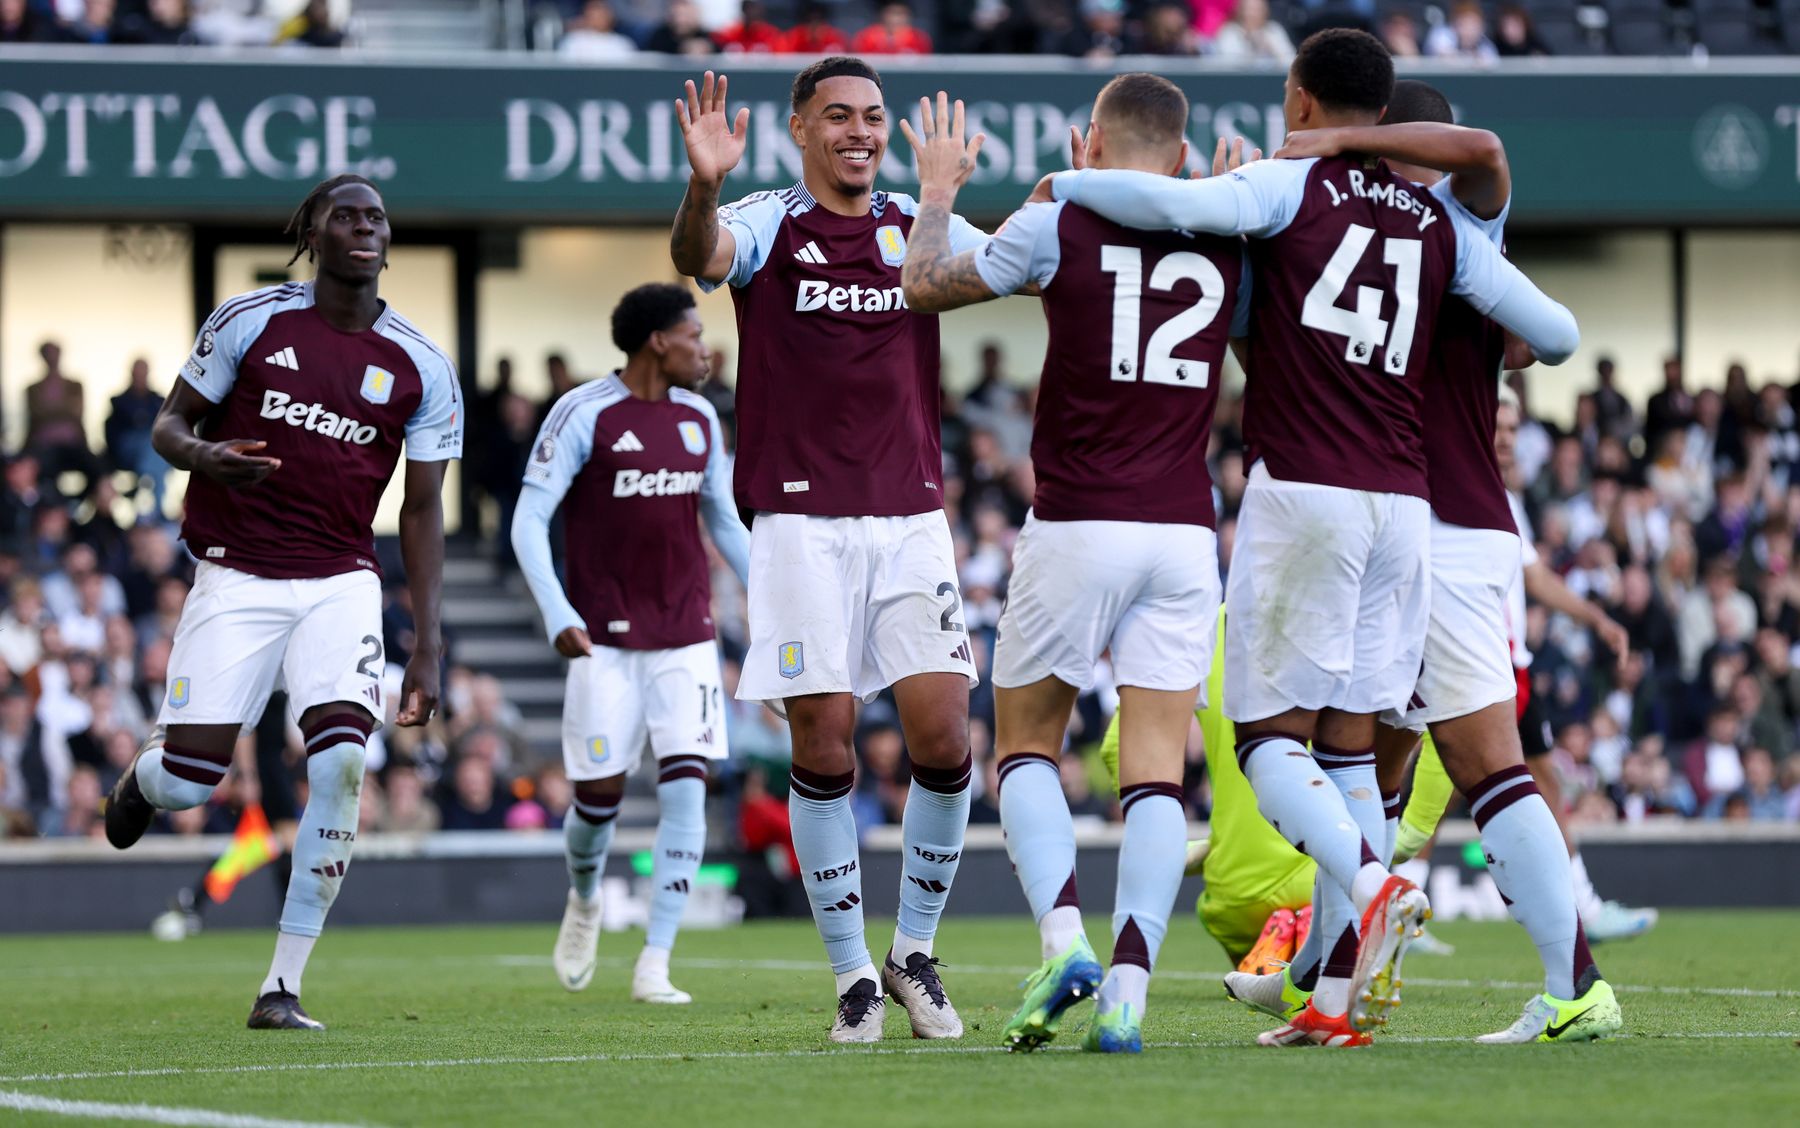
(1119, 550)
(1327, 599)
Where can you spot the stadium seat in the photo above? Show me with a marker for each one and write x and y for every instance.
(1638, 27)
(1562, 32)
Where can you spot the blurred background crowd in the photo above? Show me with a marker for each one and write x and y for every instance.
(1101, 29)
(1677, 517)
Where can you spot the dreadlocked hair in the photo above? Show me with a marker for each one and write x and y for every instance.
(300, 226)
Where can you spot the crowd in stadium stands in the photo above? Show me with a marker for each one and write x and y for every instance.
(1681, 521)
(1680, 524)
(1097, 29)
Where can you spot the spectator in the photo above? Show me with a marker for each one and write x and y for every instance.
(1463, 36)
(594, 34)
(1670, 409)
(1648, 789)
(1713, 764)
(128, 428)
(1101, 34)
(61, 589)
(21, 646)
(753, 34)
(312, 27)
(93, 25)
(19, 24)
(1251, 34)
(1515, 35)
(814, 34)
(163, 23)
(1006, 27)
(25, 765)
(1719, 611)
(475, 799)
(893, 33)
(1401, 34)
(409, 809)
(1761, 798)
(53, 417)
(680, 33)
(1169, 30)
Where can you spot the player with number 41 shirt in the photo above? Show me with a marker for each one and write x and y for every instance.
(1327, 599)
(1118, 551)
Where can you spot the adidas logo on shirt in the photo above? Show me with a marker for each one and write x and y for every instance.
(284, 358)
(627, 442)
(812, 254)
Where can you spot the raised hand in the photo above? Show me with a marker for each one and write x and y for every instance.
(1229, 159)
(714, 145)
(1077, 148)
(945, 161)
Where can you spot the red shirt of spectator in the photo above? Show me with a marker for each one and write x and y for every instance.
(894, 35)
(815, 39)
(751, 34)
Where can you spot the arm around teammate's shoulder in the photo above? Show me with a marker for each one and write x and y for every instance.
(1258, 199)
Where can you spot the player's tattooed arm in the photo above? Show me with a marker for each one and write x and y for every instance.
(422, 551)
(934, 279)
(232, 462)
(699, 247)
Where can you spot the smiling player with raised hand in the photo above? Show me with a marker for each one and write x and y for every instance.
(291, 414)
(853, 583)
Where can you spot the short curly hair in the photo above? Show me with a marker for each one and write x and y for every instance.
(1345, 69)
(806, 83)
(646, 310)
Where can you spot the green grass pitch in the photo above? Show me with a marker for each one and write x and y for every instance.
(467, 1026)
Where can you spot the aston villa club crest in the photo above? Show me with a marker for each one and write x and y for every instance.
(180, 692)
(792, 660)
(692, 437)
(377, 385)
(597, 751)
(892, 244)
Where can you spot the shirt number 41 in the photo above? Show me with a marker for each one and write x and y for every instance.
(1362, 328)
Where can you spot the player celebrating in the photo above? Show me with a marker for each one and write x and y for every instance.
(1466, 689)
(1327, 602)
(1601, 920)
(305, 393)
(1118, 551)
(852, 575)
(640, 458)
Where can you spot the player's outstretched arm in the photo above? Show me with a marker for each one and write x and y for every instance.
(1474, 158)
(422, 551)
(233, 462)
(698, 244)
(934, 279)
(1500, 290)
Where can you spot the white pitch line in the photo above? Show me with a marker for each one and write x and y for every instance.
(1185, 976)
(751, 1055)
(149, 1114)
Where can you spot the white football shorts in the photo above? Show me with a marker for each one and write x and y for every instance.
(619, 702)
(1150, 592)
(1327, 599)
(851, 605)
(238, 633)
(1468, 648)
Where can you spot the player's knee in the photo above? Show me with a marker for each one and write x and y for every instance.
(336, 747)
(601, 793)
(825, 750)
